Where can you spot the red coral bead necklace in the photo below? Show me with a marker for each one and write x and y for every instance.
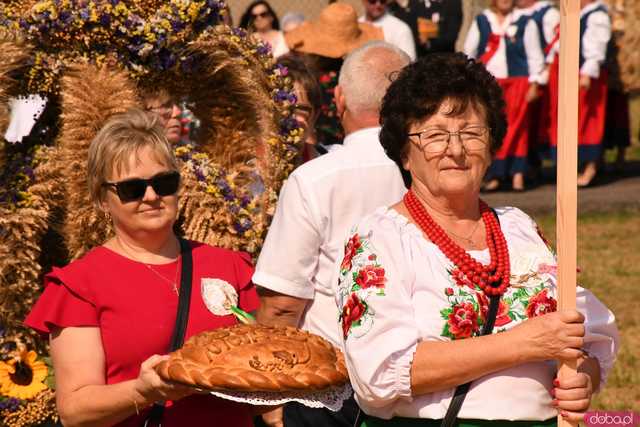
(493, 278)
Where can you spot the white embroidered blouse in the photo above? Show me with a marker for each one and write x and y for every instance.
(396, 289)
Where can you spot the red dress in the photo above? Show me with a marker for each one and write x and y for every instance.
(135, 310)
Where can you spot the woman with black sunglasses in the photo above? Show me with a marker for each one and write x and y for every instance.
(110, 315)
(261, 19)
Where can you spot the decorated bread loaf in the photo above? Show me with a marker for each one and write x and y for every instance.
(256, 358)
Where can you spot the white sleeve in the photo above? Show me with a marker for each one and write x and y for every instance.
(535, 55)
(406, 42)
(379, 329)
(601, 338)
(550, 22)
(594, 43)
(290, 253)
(472, 40)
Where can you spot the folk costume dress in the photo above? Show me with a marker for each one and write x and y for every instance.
(547, 19)
(595, 35)
(511, 52)
(136, 310)
(397, 289)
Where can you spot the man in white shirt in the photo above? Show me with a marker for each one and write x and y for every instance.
(395, 31)
(318, 204)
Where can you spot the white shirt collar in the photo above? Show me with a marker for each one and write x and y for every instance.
(366, 134)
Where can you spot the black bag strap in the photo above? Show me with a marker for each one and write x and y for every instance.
(460, 394)
(154, 418)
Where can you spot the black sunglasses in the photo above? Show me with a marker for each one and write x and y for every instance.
(261, 14)
(164, 184)
(382, 2)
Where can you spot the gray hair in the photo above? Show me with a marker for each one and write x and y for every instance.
(367, 72)
(291, 18)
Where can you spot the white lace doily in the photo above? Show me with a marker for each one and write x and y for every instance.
(331, 399)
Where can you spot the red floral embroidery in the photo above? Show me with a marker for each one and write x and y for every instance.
(502, 317)
(461, 279)
(448, 291)
(351, 312)
(540, 304)
(463, 320)
(350, 250)
(548, 269)
(371, 276)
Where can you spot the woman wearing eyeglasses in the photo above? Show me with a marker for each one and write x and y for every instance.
(440, 290)
(110, 315)
(260, 18)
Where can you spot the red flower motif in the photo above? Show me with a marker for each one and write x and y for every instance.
(350, 250)
(548, 269)
(463, 320)
(371, 276)
(460, 279)
(351, 312)
(448, 291)
(540, 304)
(502, 317)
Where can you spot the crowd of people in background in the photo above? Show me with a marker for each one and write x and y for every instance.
(517, 40)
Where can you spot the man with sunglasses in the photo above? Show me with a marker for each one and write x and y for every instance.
(395, 30)
(317, 206)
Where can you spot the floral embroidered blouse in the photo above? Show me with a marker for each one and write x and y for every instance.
(395, 289)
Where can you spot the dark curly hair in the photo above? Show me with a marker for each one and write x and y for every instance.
(420, 88)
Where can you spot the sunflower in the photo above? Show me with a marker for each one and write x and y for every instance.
(22, 377)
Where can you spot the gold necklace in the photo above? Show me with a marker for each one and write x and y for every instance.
(173, 284)
(469, 239)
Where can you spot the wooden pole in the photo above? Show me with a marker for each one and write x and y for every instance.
(567, 189)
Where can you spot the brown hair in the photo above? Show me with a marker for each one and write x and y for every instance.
(120, 137)
(299, 71)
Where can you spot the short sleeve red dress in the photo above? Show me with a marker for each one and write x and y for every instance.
(135, 310)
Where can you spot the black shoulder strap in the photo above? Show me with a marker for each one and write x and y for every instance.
(154, 417)
(460, 394)
(185, 296)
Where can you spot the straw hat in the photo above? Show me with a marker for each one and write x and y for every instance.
(335, 33)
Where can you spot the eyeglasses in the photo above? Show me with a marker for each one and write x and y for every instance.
(265, 14)
(436, 140)
(164, 110)
(303, 110)
(382, 2)
(164, 184)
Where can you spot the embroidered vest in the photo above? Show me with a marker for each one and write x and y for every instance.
(516, 52)
(517, 65)
(484, 27)
(538, 18)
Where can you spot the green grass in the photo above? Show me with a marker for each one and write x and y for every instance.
(609, 259)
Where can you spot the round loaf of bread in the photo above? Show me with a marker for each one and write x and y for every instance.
(256, 358)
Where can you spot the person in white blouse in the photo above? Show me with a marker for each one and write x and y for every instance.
(319, 202)
(395, 31)
(438, 290)
(507, 42)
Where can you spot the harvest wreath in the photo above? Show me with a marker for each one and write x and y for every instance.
(90, 60)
